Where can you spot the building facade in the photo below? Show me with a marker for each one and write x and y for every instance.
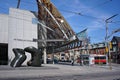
(17, 30)
(4, 39)
(115, 52)
(98, 49)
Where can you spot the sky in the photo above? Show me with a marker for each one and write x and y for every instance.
(93, 15)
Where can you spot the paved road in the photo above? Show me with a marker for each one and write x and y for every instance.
(60, 72)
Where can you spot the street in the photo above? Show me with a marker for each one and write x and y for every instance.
(60, 72)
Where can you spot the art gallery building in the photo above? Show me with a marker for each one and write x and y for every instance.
(17, 30)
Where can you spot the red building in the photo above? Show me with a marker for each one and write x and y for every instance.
(98, 48)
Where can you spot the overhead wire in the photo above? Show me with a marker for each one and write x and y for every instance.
(31, 3)
(22, 13)
(81, 13)
(78, 13)
(24, 3)
(16, 11)
(19, 18)
(27, 4)
(6, 9)
(115, 22)
(25, 19)
(101, 4)
(87, 16)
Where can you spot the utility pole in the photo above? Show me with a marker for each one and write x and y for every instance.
(106, 38)
(106, 22)
(18, 5)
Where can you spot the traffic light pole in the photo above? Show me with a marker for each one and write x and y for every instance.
(106, 40)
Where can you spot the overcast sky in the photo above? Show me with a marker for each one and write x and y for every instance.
(94, 13)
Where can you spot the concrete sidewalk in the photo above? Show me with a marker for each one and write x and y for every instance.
(49, 70)
(43, 67)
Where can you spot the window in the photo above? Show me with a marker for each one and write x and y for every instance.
(114, 42)
(114, 49)
(62, 54)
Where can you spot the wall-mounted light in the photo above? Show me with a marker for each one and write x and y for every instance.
(60, 20)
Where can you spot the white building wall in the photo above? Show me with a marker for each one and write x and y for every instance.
(21, 27)
(3, 28)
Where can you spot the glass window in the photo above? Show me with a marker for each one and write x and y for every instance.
(114, 42)
(62, 54)
(114, 48)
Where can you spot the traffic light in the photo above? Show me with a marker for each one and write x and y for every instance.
(106, 49)
(110, 44)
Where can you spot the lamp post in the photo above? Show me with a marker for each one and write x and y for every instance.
(18, 5)
(115, 31)
(106, 38)
(106, 23)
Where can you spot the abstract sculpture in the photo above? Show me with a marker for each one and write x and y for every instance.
(19, 57)
(35, 56)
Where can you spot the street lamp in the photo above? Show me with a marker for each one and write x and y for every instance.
(60, 20)
(106, 37)
(106, 22)
(115, 31)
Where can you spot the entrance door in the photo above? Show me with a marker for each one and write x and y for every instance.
(3, 54)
